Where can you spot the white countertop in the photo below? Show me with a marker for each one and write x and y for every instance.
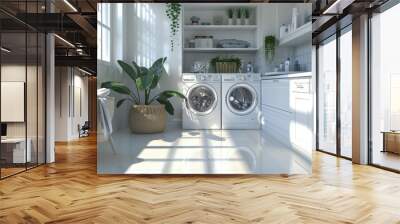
(271, 75)
(13, 140)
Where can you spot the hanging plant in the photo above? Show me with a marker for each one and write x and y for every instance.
(173, 12)
(269, 47)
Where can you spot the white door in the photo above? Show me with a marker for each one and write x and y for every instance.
(202, 99)
(241, 99)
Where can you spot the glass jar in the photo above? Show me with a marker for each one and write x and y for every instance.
(203, 41)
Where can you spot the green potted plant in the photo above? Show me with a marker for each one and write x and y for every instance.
(145, 116)
(246, 14)
(230, 16)
(269, 47)
(238, 16)
(226, 64)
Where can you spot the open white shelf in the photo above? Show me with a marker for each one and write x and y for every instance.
(299, 36)
(212, 50)
(220, 27)
(212, 14)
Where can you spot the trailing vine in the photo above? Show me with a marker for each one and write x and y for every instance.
(173, 12)
(269, 47)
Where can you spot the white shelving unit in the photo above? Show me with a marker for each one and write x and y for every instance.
(219, 50)
(220, 27)
(299, 36)
(208, 13)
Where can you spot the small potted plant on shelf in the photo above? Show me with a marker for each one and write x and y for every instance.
(230, 16)
(246, 14)
(145, 116)
(238, 16)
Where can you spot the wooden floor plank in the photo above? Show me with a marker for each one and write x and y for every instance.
(70, 191)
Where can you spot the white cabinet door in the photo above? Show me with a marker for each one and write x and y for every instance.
(287, 106)
(301, 101)
(302, 124)
(276, 122)
(275, 93)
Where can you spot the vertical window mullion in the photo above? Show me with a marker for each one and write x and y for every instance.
(317, 97)
(338, 91)
(0, 95)
(26, 86)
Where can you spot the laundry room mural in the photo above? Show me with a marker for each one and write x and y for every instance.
(194, 88)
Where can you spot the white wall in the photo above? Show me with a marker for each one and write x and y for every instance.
(136, 32)
(67, 114)
(271, 17)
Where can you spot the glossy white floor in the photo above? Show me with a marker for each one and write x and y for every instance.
(178, 151)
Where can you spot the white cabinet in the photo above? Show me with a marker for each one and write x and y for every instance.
(16, 147)
(276, 94)
(287, 111)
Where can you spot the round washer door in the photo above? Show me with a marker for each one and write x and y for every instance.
(241, 99)
(202, 99)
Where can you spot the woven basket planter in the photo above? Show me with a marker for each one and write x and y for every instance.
(146, 119)
(226, 67)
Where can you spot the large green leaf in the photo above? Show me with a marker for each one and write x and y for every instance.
(168, 106)
(170, 93)
(158, 70)
(117, 87)
(158, 65)
(120, 102)
(144, 81)
(155, 81)
(135, 65)
(131, 71)
(143, 71)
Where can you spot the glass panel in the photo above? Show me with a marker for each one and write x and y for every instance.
(31, 98)
(327, 96)
(346, 93)
(241, 99)
(385, 84)
(23, 90)
(41, 98)
(201, 99)
(13, 87)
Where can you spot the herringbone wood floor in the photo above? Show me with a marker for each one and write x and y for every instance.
(70, 191)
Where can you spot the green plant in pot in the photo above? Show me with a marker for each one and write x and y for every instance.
(238, 13)
(148, 113)
(225, 64)
(269, 47)
(246, 14)
(230, 16)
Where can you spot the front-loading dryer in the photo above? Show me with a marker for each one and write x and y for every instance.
(203, 108)
(241, 101)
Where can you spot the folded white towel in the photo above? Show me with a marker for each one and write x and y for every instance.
(103, 92)
(106, 111)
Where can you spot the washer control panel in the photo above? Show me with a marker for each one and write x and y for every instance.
(250, 77)
(201, 77)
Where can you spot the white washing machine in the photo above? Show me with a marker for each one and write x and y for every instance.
(203, 92)
(241, 103)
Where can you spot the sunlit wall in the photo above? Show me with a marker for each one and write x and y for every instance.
(133, 32)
